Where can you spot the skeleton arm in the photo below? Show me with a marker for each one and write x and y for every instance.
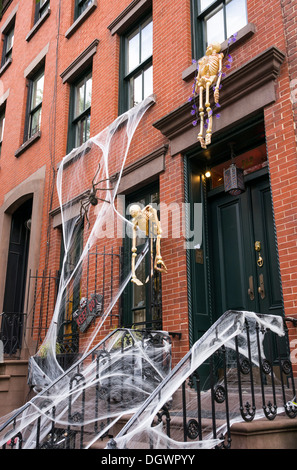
(134, 254)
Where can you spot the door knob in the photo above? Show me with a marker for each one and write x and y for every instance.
(251, 288)
(261, 288)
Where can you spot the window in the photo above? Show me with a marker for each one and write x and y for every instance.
(2, 123)
(217, 20)
(67, 333)
(41, 8)
(138, 64)
(80, 111)
(142, 305)
(34, 104)
(80, 7)
(7, 45)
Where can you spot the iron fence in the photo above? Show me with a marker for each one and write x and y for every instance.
(239, 371)
(105, 382)
(197, 406)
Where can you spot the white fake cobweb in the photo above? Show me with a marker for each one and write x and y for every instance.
(116, 371)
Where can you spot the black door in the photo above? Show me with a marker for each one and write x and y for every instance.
(13, 306)
(243, 255)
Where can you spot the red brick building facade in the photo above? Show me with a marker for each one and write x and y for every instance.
(56, 48)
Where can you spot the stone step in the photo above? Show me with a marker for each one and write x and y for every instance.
(14, 368)
(13, 385)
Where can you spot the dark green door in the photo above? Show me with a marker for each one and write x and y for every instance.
(243, 256)
(16, 271)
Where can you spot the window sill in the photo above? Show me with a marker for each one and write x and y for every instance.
(38, 24)
(5, 66)
(27, 144)
(243, 34)
(85, 14)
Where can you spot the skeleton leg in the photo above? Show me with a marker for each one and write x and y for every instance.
(209, 114)
(201, 112)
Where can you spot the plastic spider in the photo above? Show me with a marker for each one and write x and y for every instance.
(91, 198)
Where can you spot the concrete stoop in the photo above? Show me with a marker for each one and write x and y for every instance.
(13, 385)
(281, 433)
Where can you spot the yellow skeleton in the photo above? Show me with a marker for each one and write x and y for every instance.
(146, 219)
(210, 67)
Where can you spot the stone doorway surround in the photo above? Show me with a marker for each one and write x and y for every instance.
(32, 187)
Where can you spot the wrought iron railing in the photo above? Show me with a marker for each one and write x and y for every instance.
(11, 328)
(240, 370)
(247, 377)
(81, 405)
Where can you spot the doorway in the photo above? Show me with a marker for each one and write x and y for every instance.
(236, 267)
(16, 273)
(243, 253)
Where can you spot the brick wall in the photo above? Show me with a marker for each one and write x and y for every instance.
(172, 55)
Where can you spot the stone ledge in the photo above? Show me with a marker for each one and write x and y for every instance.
(281, 433)
(5, 66)
(27, 144)
(245, 91)
(38, 24)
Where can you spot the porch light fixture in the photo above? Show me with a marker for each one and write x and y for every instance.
(233, 178)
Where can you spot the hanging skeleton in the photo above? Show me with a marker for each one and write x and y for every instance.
(146, 219)
(210, 69)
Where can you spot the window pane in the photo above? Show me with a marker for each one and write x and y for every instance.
(139, 317)
(82, 5)
(215, 27)
(87, 128)
(79, 133)
(205, 3)
(236, 16)
(37, 91)
(147, 41)
(79, 99)
(35, 122)
(135, 90)
(10, 38)
(148, 82)
(88, 93)
(139, 291)
(82, 130)
(133, 51)
(2, 122)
